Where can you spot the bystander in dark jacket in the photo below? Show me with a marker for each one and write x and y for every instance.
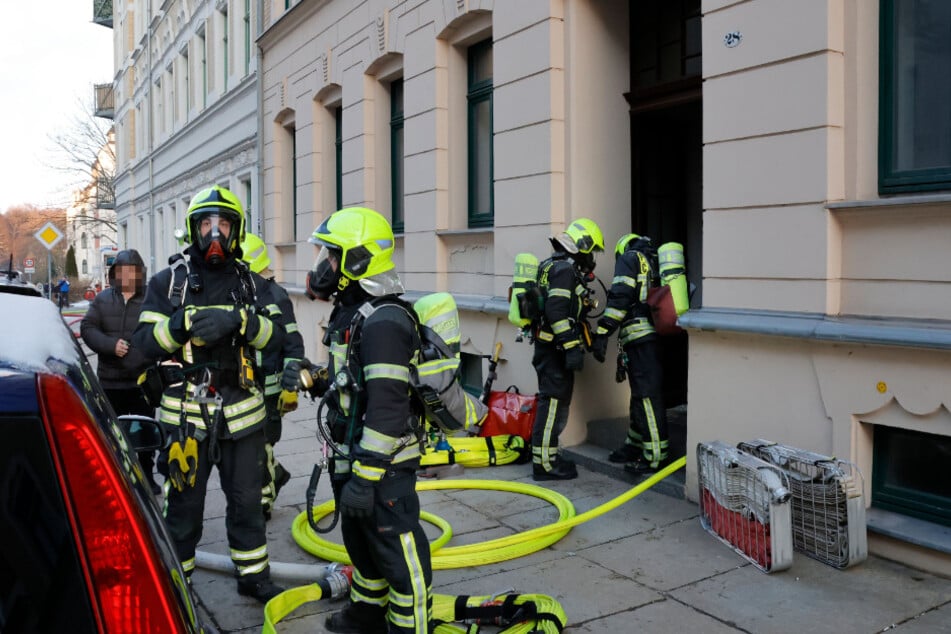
(107, 329)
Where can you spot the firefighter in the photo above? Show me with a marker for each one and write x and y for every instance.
(372, 340)
(560, 341)
(200, 313)
(645, 449)
(285, 350)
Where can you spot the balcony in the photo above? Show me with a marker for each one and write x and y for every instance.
(105, 101)
(102, 12)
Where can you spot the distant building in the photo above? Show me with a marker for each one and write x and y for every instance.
(185, 107)
(91, 226)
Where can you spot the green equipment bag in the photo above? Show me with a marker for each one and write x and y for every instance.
(525, 298)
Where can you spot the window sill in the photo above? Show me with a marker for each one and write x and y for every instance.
(476, 231)
(912, 333)
(902, 200)
(909, 529)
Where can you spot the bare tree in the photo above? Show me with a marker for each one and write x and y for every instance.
(17, 228)
(86, 151)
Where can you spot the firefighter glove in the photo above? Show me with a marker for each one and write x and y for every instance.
(574, 359)
(211, 325)
(183, 463)
(287, 402)
(356, 498)
(290, 379)
(599, 348)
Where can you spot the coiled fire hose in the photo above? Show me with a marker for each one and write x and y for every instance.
(492, 551)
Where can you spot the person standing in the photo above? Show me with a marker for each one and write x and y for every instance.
(373, 337)
(285, 351)
(645, 449)
(107, 329)
(559, 341)
(63, 289)
(201, 313)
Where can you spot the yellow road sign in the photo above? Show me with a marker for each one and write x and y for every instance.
(49, 235)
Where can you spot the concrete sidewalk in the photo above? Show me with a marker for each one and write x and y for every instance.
(647, 566)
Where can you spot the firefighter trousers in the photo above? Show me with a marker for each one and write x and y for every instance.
(555, 386)
(239, 470)
(390, 556)
(648, 430)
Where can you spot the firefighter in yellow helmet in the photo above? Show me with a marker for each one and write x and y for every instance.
(282, 356)
(635, 271)
(372, 339)
(201, 312)
(559, 341)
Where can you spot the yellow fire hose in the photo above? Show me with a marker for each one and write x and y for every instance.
(492, 551)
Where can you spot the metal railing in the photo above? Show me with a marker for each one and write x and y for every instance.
(102, 12)
(105, 101)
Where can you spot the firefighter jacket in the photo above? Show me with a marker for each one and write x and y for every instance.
(162, 333)
(110, 318)
(286, 343)
(564, 311)
(627, 306)
(374, 341)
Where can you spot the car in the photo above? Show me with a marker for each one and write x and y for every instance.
(83, 544)
(11, 281)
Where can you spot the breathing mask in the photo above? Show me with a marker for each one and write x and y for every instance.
(325, 279)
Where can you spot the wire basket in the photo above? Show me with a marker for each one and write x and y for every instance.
(744, 502)
(828, 505)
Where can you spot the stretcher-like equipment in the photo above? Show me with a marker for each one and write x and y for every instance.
(828, 505)
(745, 503)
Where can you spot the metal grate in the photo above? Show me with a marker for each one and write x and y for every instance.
(744, 502)
(828, 506)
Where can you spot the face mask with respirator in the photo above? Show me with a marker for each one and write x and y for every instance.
(324, 279)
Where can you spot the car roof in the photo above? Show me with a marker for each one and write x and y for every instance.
(11, 281)
(33, 336)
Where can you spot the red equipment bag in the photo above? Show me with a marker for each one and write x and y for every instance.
(510, 412)
(663, 311)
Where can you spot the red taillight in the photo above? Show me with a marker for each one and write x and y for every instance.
(133, 590)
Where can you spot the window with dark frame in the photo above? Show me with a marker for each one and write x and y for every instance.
(338, 154)
(480, 142)
(909, 473)
(914, 143)
(396, 156)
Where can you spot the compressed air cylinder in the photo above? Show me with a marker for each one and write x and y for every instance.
(670, 259)
(523, 278)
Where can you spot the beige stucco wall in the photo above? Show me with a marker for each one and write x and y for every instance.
(819, 396)
(793, 222)
(558, 153)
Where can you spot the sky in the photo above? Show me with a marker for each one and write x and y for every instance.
(51, 56)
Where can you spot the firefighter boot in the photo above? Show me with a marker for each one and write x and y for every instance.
(358, 618)
(263, 590)
(625, 453)
(561, 469)
(641, 466)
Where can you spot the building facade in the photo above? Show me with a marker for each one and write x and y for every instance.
(801, 152)
(91, 226)
(185, 93)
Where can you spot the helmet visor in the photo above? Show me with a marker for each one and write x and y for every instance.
(214, 225)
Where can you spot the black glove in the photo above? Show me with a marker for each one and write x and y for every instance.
(356, 498)
(290, 379)
(574, 359)
(211, 325)
(599, 348)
